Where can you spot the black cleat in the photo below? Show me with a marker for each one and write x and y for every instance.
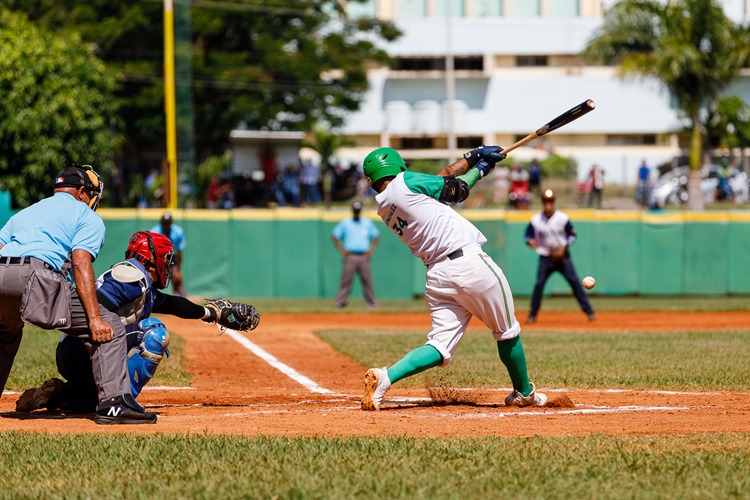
(531, 319)
(123, 410)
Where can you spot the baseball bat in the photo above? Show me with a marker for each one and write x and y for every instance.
(573, 113)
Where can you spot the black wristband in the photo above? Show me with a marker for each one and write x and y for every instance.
(212, 315)
(472, 157)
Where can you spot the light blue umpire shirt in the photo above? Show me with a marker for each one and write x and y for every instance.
(51, 229)
(176, 235)
(356, 236)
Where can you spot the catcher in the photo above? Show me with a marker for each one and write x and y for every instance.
(550, 233)
(132, 289)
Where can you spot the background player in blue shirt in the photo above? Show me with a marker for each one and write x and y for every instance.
(356, 238)
(176, 235)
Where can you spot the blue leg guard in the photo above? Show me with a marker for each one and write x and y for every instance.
(144, 358)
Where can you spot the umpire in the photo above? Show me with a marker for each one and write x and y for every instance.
(550, 233)
(57, 234)
(356, 239)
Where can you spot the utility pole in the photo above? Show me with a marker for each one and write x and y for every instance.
(450, 90)
(170, 102)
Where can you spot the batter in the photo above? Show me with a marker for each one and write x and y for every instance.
(462, 280)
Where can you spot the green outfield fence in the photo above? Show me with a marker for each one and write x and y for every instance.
(288, 252)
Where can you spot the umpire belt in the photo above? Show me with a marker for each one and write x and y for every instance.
(24, 261)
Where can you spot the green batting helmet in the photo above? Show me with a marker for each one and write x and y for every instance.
(383, 162)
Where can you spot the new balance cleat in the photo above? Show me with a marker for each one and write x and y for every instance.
(123, 410)
(533, 399)
(376, 385)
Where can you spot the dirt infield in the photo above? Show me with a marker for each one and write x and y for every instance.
(286, 381)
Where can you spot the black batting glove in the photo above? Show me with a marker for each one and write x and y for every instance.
(490, 154)
(484, 168)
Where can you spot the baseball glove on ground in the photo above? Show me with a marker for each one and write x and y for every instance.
(557, 253)
(233, 315)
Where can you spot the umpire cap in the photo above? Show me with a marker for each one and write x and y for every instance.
(77, 175)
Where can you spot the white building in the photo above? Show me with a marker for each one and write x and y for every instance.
(517, 66)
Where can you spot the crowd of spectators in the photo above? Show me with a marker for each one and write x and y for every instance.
(298, 185)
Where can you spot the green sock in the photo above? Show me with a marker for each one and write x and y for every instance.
(514, 359)
(418, 360)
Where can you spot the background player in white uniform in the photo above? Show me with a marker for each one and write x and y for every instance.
(462, 280)
(550, 233)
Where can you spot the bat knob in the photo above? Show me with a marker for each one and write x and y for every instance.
(591, 104)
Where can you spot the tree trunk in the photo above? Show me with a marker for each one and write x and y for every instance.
(695, 194)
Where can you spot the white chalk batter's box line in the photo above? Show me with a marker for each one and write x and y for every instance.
(467, 416)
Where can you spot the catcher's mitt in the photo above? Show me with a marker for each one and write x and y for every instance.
(233, 315)
(557, 253)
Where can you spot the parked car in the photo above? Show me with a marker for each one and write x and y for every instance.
(671, 187)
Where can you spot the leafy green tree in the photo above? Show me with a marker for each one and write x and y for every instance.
(326, 143)
(269, 65)
(728, 124)
(57, 107)
(690, 46)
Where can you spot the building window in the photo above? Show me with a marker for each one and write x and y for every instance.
(631, 140)
(456, 8)
(525, 8)
(420, 64)
(469, 142)
(364, 8)
(488, 8)
(473, 63)
(468, 63)
(563, 8)
(416, 143)
(411, 9)
(531, 61)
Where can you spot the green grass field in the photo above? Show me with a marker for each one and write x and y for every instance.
(705, 361)
(201, 466)
(596, 466)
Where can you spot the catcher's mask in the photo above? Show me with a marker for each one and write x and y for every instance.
(383, 162)
(77, 175)
(153, 250)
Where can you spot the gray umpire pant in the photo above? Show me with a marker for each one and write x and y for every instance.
(356, 264)
(109, 359)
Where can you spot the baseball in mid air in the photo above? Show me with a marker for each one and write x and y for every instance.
(588, 282)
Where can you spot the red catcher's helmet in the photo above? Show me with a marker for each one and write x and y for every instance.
(153, 250)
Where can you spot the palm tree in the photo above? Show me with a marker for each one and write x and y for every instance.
(690, 46)
(326, 143)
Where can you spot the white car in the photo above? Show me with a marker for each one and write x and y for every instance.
(671, 187)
